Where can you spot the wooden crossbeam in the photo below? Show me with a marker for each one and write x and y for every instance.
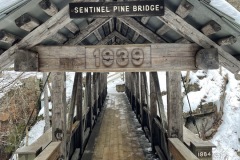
(45, 30)
(88, 30)
(143, 31)
(186, 30)
(148, 57)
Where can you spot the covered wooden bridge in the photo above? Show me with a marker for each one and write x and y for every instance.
(39, 36)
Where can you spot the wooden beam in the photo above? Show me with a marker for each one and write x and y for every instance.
(143, 31)
(45, 30)
(27, 22)
(162, 30)
(145, 20)
(97, 34)
(230, 40)
(211, 28)
(88, 100)
(207, 59)
(48, 7)
(79, 115)
(153, 108)
(184, 9)
(117, 34)
(59, 111)
(88, 30)
(52, 152)
(174, 105)
(71, 114)
(161, 110)
(105, 40)
(135, 36)
(150, 57)
(59, 38)
(179, 151)
(72, 27)
(26, 61)
(186, 30)
(6, 37)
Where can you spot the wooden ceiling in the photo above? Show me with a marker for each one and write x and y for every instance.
(47, 23)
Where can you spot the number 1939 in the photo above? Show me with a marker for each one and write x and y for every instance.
(121, 57)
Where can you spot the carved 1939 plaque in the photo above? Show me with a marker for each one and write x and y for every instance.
(118, 57)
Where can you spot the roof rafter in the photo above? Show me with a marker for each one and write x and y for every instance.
(45, 30)
(186, 30)
(88, 30)
(145, 32)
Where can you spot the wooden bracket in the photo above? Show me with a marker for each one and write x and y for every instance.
(26, 61)
(207, 59)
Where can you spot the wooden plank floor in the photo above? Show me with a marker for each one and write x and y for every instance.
(114, 137)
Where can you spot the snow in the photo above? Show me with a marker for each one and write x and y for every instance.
(226, 139)
(11, 79)
(226, 8)
(114, 79)
(211, 82)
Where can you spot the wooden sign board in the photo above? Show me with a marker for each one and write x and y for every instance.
(116, 9)
(114, 58)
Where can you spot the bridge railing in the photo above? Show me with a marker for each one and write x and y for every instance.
(88, 103)
(144, 94)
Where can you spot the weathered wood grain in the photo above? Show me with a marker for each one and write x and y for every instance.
(137, 27)
(227, 41)
(45, 30)
(51, 152)
(211, 28)
(72, 27)
(179, 151)
(155, 57)
(59, 111)
(174, 103)
(162, 30)
(207, 59)
(184, 9)
(59, 38)
(26, 61)
(89, 30)
(48, 7)
(186, 30)
(27, 22)
(6, 37)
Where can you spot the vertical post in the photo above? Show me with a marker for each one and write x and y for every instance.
(100, 91)
(137, 95)
(153, 108)
(142, 97)
(79, 115)
(88, 99)
(46, 106)
(59, 111)
(174, 103)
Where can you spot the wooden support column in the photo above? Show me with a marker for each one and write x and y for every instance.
(153, 108)
(46, 104)
(137, 95)
(88, 100)
(59, 111)
(79, 116)
(144, 98)
(71, 114)
(174, 103)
